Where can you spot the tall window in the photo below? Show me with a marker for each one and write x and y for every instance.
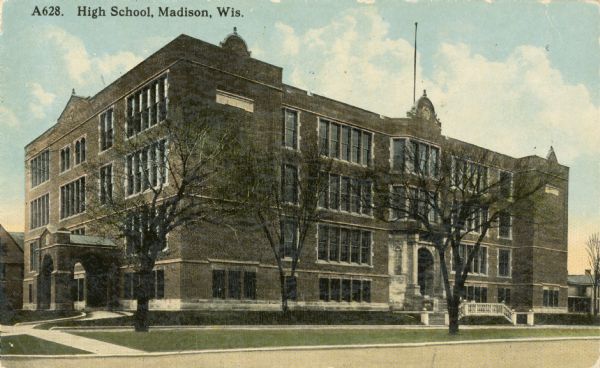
(72, 198)
(505, 225)
(106, 184)
(479, 263)
(289, 239)
(415, 156)
(291, 287)
(550, 298)
(80, 151)
(477, 294)
(147, 106)
(39, 211)
(249, 285)
(65, 159)
(398, 157)
(39, 168)
(290, 129)
(106, 129)
(34, 248)
(218, 284)
(506, 182)
(289, 183)
(345, 143)
(147, 167)
(504, 295)
(344, 245)
(504, 262)
(234, 284)
(347, 194)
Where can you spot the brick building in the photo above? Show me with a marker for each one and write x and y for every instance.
(11, 269)
(352, 260)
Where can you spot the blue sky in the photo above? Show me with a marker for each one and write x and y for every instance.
(515, 77)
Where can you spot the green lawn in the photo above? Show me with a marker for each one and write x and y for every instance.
(25, 344)
(175, 340)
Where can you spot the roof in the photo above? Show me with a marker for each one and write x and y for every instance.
(580, 279)
(18, 238)
(90, 240)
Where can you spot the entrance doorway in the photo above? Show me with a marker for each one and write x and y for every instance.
(425, 272)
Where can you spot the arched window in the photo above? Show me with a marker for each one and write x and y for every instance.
(82, 149)
(77, 153)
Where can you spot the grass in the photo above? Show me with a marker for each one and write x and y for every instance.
(178, 340)
(200, 318)
(10, 317)
(25, 344)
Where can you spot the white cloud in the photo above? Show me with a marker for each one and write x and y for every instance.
(366, 1)
(81, 65)
(522, 101)
(8, 118)
(290, 42)
(41, 100)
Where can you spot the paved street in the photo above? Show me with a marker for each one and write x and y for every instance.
(573, 353)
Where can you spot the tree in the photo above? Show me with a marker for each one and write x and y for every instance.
(161, 179)
(593, 251)
(455, 197)
(278, 191)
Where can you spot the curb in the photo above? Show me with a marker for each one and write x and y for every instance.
(299, 348)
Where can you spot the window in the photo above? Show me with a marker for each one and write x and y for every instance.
(39, 211)
(414, 203)
(218, 284)
(506, 179)
(80, 151)
(80, 289)
(78, 231)
(290, 129)
(505, 225)
(159, 282)
(289, 240)
(550, 298)
(347, 194)
(415, 156)
(398, 154)
(504, 295)
(147, 106)
(34, 249)
(39, 168)
(65, 159)
(106, 130)
(345, 143)
(504, 262)
(106, 184)
(250, 285)
(234, 285)
(477, 218)
(226, 98)
(291, 287)
(348, 290)
(72, 198)
(479, 263)
(477, 294)
(147, 167)
(355, 245)
(130, 281)
(399, 206)
(30, 292)
(469, 175)
(137, 222)
(289, 183)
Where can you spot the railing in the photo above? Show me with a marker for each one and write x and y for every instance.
(486, 309)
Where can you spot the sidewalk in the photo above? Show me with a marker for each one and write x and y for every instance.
(78, 342)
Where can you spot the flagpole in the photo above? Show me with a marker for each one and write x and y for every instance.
(415, 67)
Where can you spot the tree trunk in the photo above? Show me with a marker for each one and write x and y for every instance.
(453, 305)
(143, 297)
(284, 301)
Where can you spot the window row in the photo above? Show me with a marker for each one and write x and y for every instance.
(344, 290)
(342, 193)
(413, 203)
(345, 143)
(131, 283)
(147, 167)
(147, 106)
(234, 284)
(39, 211)
(137, 225)
(80, 154)
(469, 175)
(39, 168)
(415, 157)
(477, 294)
(479, 263)
(340, 244)
(72, 198)
(550, 298)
